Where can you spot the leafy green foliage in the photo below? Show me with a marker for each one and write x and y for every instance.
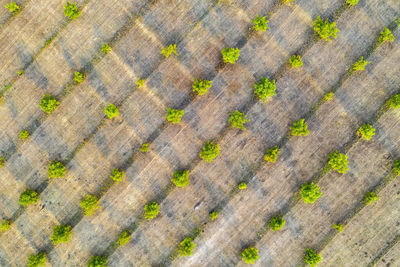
(20, 72)
(328, 96)
(145, 147)
(394, 102)
(312, 257)
(97, 261)
(310, 192)
(111, 111)
(370, 197)
(174, 115)
(124, 238)
(78, 77)
(167, 51)
(90, 204)
(56, 170)
(186, 247)
(28, 197)
(338, 227)
(12, 7)
(351, 2)
(272, 154)
(4, 225)
(386, 35)
(214, 215)
(324, 29)
(276, 223)
(242, 186)
(260, 23)
(299, 128)
(250, 255)
(366, 131)
(181, 178)
(151, 210)
(61, 234)
(210, 151)
(2, 161)
(71, 10)
(35, 260)
(117, 175)
(338, 162)
(396, 167)
(359, 65)
(237, 119)
(265, 89)
(105, 48)
(23, 134)
(48, 103)
(201, 86)
(140, 83)
(295, 61)
(230, 55)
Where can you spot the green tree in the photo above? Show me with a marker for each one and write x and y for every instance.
(174, 115)
(71, 10)
(393, 102)
(312, 258)
(151, 210)
(56, 170)
(140, 83)
(366, 131)
(210, 151)
(4, 225)
(338, 227)
(124, 238)
(144, 147)
(12, 7)
(186, 247)
(299, 128)
(276, 223)
(370, 197)
(386, 35)
(295, 61)
(97, 261)
(105, 48)
(230, 55)
(214, 215)
(250, 255)
(61, 234)
(48, 103)
(90, 204)
(351, 2)
(260, 23)
(242, 186)
(396, 167)
(181, 178)
(324, 29)
(35, 260)
(2, 161)
(237, 119)
(201, 86)
(117, 175)
(338, 162)
(310, 192)
(272, 154)
(265, 89)
(359, 65)
(78, 77)
(24, 134)
(111, 111)
(167, 51)
(28, 197)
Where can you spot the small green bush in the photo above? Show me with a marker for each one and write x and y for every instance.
(295, 61)
(28, 197)
(20, 72)
(145, 147)
(397, 21)
(117, 175)
(140, 83)
(250, 255)
(186, 247)
(97, 261)
(78, 77)
(338, 162)
(242, 186)
(4, 225)
(366, 131)
(299, 128)
(310, 192)
(312, 258)
(181, 178)
(338, 227)
(370, 197)
(71, 11)
(111, 111)
(124, 238)
(61, 234)
(210, 151)
(201, 86)
(2, 161)
(276, 223)
(23, 134)
(105, 48)
(48, 103)
(174, 115)
(272, 154)
(324, 29)
(265, 89)
(260, 23)
(328, 96)
(386, 35)
(237, 119)
(12, 7)
(56, 170)
(214, 215)
(394, 102)
(151, 210)
(351, 2)
(359, 65)
(396, 167)
(167, 51)
(37, 260)
(230, 55)
(90, 204)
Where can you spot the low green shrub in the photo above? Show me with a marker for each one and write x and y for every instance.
(97, 261)
(186, 247)
(276, 223)
(396, 167)
(324, 29)
(397, 21)
(56, 170)
(151, 210)
(35, 260)
(250, 255)
(90, 204)
(145, 147)
(265, 89)
(338, 162)
(78, 77)
(237, 119)
(312, 258)
(299, 128)
(272, 154)
(201, 86)
(242, 186)
(48, 103)
(28, 197)
(4, 225)
(230, 55)
(140, 83)
(386, 35)
(61, 234)
(105, 48)
(366, 131)
(2, 161)
(12, 7)
(338, 227)
(167, 51)
(214, 215)
(181, 178)
(111, 111)
(24, 134)
(210, 151)
(117, 175)
(20, 72)
(71, 11)
(359, 65)
(295, 61)
(310, 192)
(174, 115)
(124, 238)
(351, 2)
(260, 23)
(370, 197)
(328, 96)
(393, 102)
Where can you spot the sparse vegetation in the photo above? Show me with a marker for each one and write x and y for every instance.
(111, 111)
(145, 147)
(90, 204)
(295, 61)
(2, 161)
(276, 223)
(24, 134)
(174, 115)
(105, 48)
(272, 154)
(28, 197)
(370, 197)
(366, 131)
(325, 29)
(237, 119)
(56, 170)
(4, 225)
(312, 258)
(117, 175)
(61, 234)
(78, 77)
(250, 255)
(230, 55)
(35, 260)
(338, 227)
(396, 167)
(201, 86)
(299, 128)
(386, 35)
(260, 23)
(310, 192)
(359, 65)
(393, 102)
(12, 7)
(167, 51)
(181, 178)
(151, 210)
(214, 215)
(124, 238)
(71, 10)
(351, 2)
(338, 162)
(210, 151)
(186, 247)
(97, 261)
(242, 186)
(48, 103)
(265, 89)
